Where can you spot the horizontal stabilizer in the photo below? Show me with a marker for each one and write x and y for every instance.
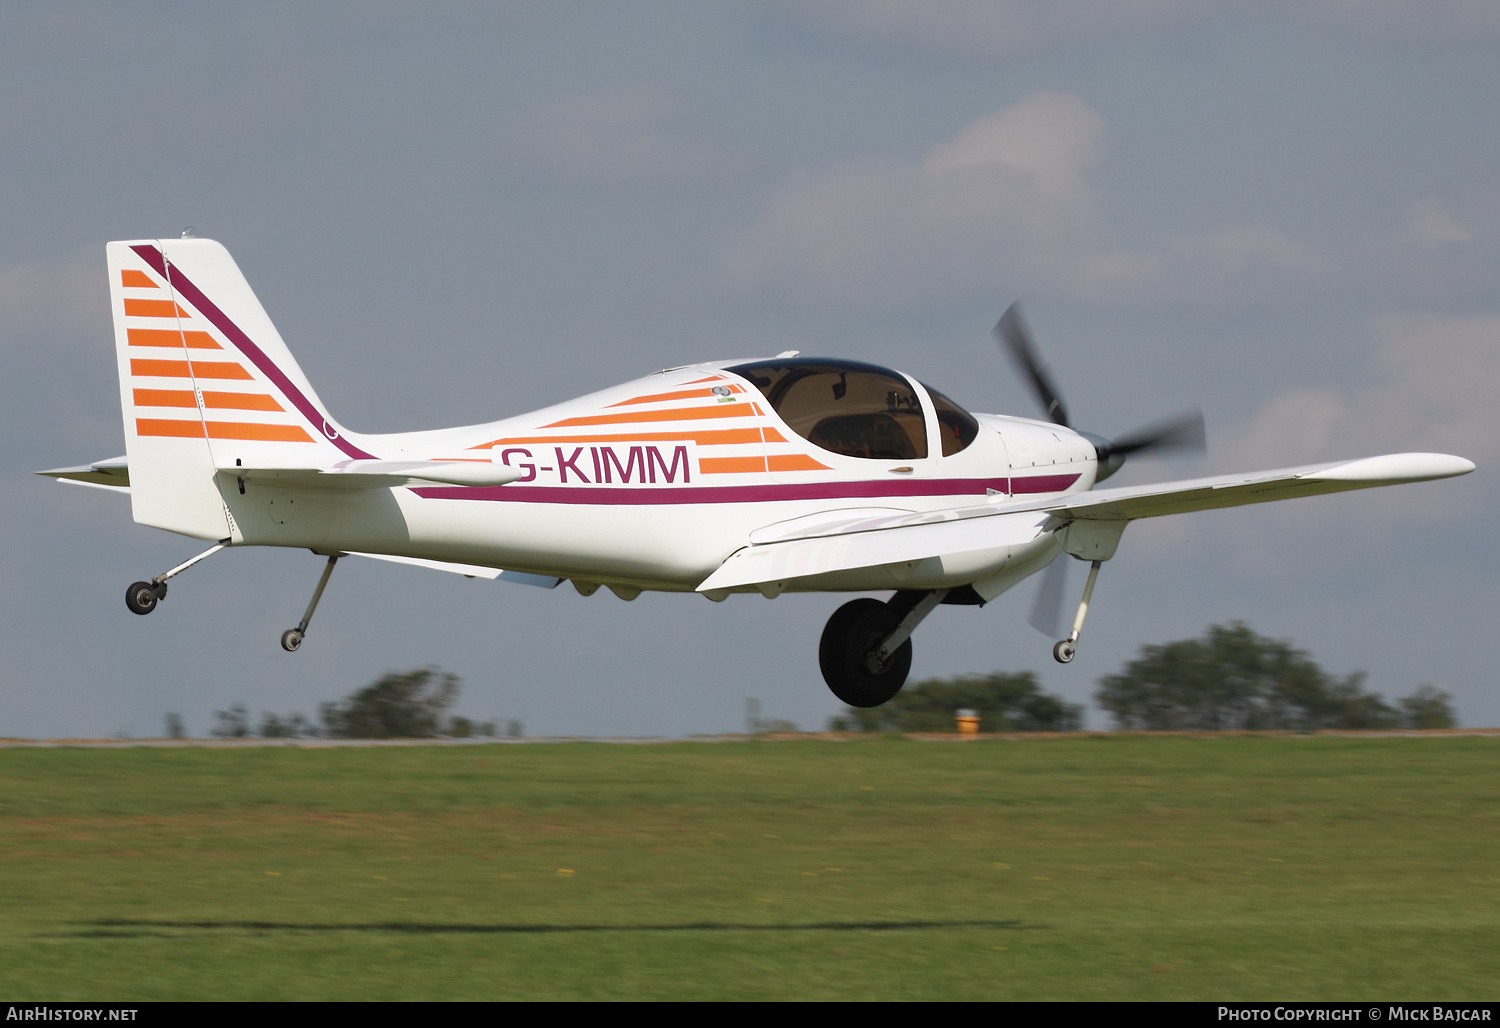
(114, 472)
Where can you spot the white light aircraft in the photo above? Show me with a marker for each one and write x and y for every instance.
(768, 475)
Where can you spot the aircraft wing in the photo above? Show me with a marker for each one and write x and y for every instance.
(782, 552)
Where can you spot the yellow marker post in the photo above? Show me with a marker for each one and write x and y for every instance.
(968, 723)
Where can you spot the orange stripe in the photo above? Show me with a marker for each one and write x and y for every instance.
(731, 465)
(240, 401)
(154, 309)
(170, 337)
(794, 462)
(246, 430)
(220, 369)
(166, 427)
(159, 369)
(710, 378)
(165, 398)
(179, 369)
(133, 278)
(708, 437)
(728, 410)
(772, 436)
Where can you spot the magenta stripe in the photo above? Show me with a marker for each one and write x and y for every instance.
(321, 423)
(744, 493)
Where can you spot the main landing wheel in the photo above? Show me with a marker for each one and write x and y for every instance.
(142, 597)
(291, 639)
(1064, 650)
(846, 654)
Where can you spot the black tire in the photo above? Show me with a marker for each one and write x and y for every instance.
(854, 632)
(141, 597)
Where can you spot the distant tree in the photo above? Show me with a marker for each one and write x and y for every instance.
(463, 728)
(292, 726)
(514, 729)
(1428, 707)
(400, 705)
(233, 723)
(1232, 678)
(175, 728)
(1005, 703)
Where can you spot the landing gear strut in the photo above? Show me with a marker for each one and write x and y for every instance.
(142, 597)
(1065, 649)
(865, 652)
(291, 639)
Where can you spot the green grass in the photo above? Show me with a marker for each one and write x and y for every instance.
(1092, 868)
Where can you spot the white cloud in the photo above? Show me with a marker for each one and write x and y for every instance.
(1433, 388)
(1005, 204)
(1431, 224)
(617, 134)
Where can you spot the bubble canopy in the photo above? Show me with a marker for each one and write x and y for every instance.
(847, 407)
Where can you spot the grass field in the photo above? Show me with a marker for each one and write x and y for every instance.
(1093, 868)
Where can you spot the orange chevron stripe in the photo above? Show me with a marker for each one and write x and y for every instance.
(240, 401)
(731, 465)
(169, 427)
(165, 398)
(137, 279)
(179, 369)
(154, 309)
(772, 436)
(710, 378)
(170, 337)
(706, 437)
(265, 433)
(728, 410)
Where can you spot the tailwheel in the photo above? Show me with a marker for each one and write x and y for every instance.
(142, 597)
(848, 654)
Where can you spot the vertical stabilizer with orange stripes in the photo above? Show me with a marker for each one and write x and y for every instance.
(206, 384)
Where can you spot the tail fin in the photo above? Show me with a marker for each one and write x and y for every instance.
(205, 383)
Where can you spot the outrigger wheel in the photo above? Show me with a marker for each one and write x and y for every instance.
(847, 653)
(142, 597)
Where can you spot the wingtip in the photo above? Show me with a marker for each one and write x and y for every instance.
(1399, 467)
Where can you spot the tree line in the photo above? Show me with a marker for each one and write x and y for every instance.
(399, 705)
(1230, 678)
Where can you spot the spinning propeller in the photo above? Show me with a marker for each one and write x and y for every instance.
(1180, 432)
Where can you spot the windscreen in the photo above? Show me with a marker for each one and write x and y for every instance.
(957, 426)
(853, 409)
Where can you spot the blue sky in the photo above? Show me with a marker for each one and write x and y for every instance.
(1286, 213)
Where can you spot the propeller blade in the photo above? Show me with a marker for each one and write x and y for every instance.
(1046, 610)
(1015, 337)
(1182, 432)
